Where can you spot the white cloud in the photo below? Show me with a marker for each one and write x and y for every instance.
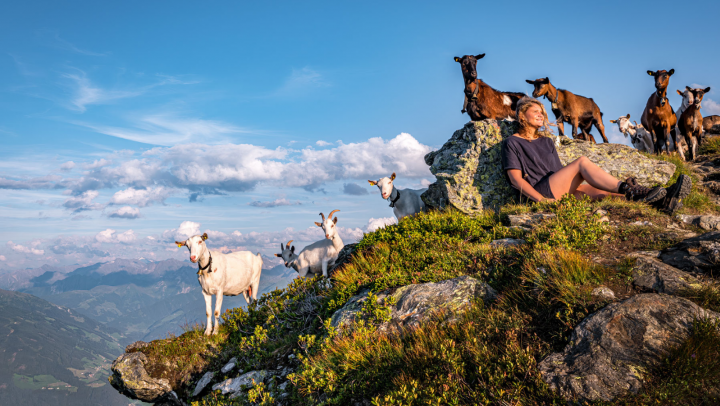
(373, 224)
(710, 106)
(83, 202)
(85, 93)
(186, 230)
(127, 237)
(67, 166)
(126, 212)
(322, 143)
(24, 250)
(2, 258)
(98, 163)
(107, 236)
(140, 197)
(274, 203)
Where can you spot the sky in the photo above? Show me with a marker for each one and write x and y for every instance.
(127, 125)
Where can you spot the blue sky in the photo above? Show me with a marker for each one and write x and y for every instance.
(126, 124)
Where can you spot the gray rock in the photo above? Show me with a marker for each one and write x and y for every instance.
(529, 220)
(697, 254)
(202, 383)
(641, 223)
(507, 242)
(136, 346)
(234, 385)
(604, 293)
(611, 350)
(649, 273)
(130, 378)
(470, 177)
(415, 303)
(229, 366)
(708, 223)
(283, 386)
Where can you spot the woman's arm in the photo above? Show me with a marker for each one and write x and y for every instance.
(524, 187)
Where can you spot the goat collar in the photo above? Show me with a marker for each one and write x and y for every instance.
(397, 197)
(209, 265)
(474, 94)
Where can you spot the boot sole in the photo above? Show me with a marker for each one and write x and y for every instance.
(655, 195)
(673, 201)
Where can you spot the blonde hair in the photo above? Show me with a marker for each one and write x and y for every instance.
(523, 105)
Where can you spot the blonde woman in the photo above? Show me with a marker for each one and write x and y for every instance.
(532, 166)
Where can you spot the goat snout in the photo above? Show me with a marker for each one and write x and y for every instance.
(193, 258)
(327, 236)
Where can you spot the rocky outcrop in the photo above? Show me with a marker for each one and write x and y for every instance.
(131, 379)
(415, 303)
(697, 254)
(611, 350)
(708, 168)
(651, 274)
(706, 222)
(234, 386)
(470, 177)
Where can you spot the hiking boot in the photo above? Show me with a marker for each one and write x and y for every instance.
(672, 201)
(631, 181)
(639, 193)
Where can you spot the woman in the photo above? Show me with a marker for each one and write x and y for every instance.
(532, 166)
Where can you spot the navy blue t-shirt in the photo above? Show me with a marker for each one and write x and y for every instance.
(536, 159)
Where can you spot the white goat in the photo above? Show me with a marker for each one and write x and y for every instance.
(318, 256)
(223, 274)
(405, 202)
(640, 138)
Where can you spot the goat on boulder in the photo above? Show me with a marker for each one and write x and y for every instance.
(223, 275)
(691, 121)
(405, 202)
(318, 256)
(581, 112)
(640, 138)
(658, 117)
(482, 101)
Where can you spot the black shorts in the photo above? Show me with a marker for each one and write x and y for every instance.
(543, 186)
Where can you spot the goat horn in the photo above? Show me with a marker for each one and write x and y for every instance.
(323, 217)
(331, 213)
(288, 244)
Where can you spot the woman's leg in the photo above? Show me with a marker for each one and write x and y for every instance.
(568, 179)
(593, 193)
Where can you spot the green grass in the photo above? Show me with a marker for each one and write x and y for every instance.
(489, 357)
(698, 200)
(710, 145)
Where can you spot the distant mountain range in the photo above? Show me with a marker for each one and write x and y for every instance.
(52, 355)
(143, 299)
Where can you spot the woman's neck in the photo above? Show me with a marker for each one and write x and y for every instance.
(529, 133)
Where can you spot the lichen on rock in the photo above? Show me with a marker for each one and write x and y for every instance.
(469, 171)
(131, 379)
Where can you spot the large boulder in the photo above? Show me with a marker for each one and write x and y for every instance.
(697, 254)
(611, 350)
(131, 379)
(651, 274)
(416, 303)
(470, 177)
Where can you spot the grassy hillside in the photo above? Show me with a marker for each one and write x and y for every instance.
(51, 355)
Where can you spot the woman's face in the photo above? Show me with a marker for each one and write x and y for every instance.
(534, 116)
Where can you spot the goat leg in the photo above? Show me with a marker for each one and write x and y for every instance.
(208, 312)
(218, 307)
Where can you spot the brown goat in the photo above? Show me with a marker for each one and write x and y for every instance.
(481, 100)
(691, 121)
(711, 124)
(658, 117)
(581, 112)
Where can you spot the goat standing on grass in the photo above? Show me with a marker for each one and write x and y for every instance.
(405, 202)
(223, 274)
(318, 256)
(640, 138)
(690, 121)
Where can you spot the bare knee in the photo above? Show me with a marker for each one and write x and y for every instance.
(207, 314)
(217, 313)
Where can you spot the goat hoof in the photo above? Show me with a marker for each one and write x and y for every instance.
(207, 332)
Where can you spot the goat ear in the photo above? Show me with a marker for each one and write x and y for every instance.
(672, 71)
(278, 255)
(480, 56)
(292, 249)
(372, 182)
(532, 82)
(180, 244)
(688, 88)
(706, 90)
(613, 121)
(546, 80)
(679, 92)
(335, 220)
(392, 177)
(318, 224)
(456, 59)
(628, 116)
(651, 73)
(204, 236)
